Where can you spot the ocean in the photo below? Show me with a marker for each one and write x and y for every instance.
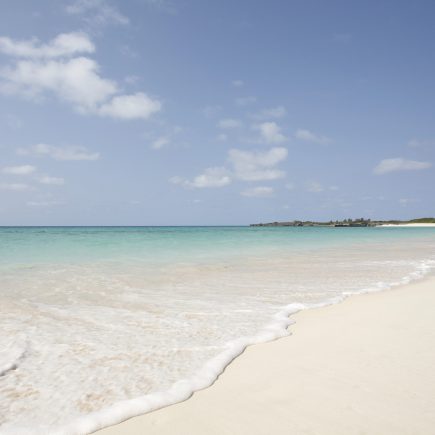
(98, 324)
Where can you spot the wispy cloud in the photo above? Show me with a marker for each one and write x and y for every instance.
(131, 79)
(56, 181)
(211, 111)
(60, 153)
(65, 44)
(43, 203)
(211, 177)
(229, 123)
(128, 51)
(399, 164)
(245, 101)
(16, 187)
(19, 170)
(97, 13)
(414, 143)
(13, 122)
(272, 112)
(316, 187)
(237, 83)
(134, 106)
(309, 136)
(257, 165)
(417, 143)
(258, 192)
(160, 142)
(406, 201)
(270, 132)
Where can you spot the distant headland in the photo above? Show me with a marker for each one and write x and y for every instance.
(346, 223)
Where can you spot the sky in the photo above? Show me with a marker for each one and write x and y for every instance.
(190, 112)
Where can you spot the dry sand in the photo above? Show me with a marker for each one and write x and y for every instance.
(365, 366)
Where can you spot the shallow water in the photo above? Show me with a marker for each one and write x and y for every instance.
(91, 318)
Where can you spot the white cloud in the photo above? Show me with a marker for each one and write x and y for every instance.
(65, 44)
(254, 166)
(245, 101)
(308, 136)
(228, 123)
(19, 170)
(211, 177)
(290, 186)
(247, 166)
(97, 12)
(16, 187)
(237, 83)
(273, 112)
(76, 81)
(259, 192)
(399, 164)
(134, 106)
(46, 179)
(271, 132)
(160, 142)
(222, 137)
(60, 153)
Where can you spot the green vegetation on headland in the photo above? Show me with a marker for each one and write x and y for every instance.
(345, 223)
(423, 221)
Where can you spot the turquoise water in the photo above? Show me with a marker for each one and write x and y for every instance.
(166, 244)
(102, 323)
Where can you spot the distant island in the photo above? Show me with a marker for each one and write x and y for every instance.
(345, 223)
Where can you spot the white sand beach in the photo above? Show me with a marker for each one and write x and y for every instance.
(416, 225)
(365, 366)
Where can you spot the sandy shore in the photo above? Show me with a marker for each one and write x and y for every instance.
(408, 225)
(366, 366)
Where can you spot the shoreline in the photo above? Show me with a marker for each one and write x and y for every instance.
(409, 225)
(250, 395)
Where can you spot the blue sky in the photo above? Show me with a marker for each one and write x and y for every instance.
(155, 112)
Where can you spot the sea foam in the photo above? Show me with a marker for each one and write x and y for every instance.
(209, 373)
